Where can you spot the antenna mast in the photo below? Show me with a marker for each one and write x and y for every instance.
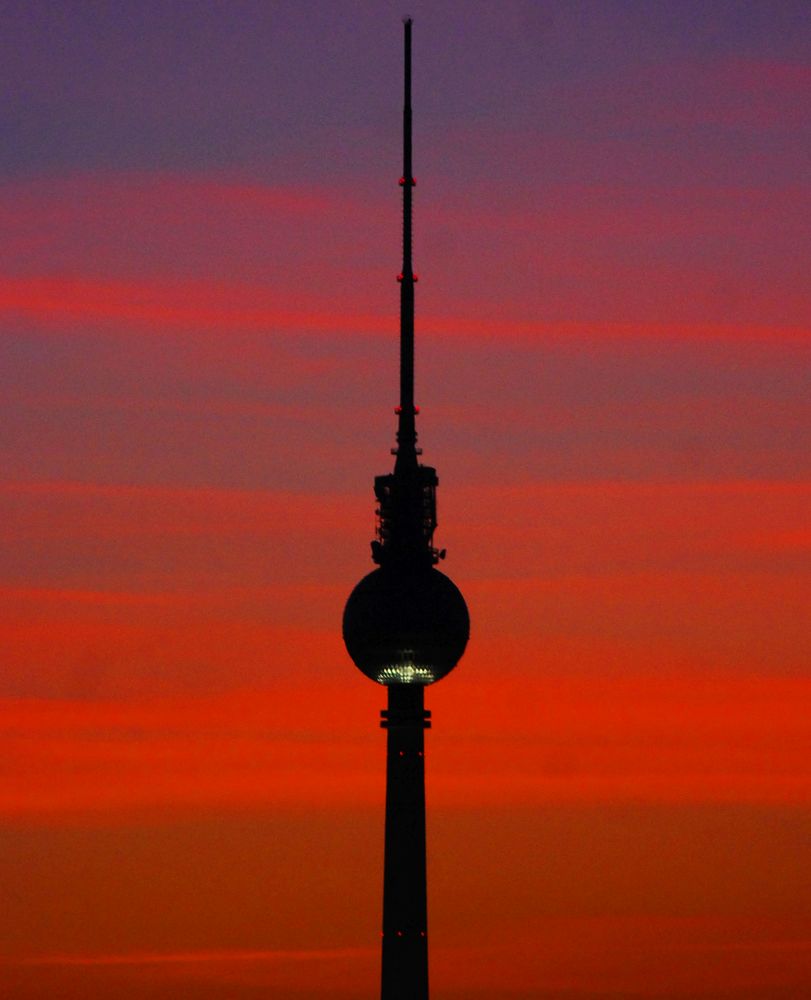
(406, 430)
(406, 511)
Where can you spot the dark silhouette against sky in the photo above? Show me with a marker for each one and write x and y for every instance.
(198, 357)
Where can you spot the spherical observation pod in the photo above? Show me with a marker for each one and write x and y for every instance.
(406, 627)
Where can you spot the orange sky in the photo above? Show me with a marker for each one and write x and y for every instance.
(199, 222)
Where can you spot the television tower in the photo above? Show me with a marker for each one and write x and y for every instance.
(405, 625)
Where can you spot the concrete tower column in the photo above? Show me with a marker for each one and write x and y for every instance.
(405, 906)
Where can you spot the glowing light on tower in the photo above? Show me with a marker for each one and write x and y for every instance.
(406, 625)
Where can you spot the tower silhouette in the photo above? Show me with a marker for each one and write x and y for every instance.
(405, 625)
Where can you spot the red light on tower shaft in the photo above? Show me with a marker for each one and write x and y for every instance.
(406, 626)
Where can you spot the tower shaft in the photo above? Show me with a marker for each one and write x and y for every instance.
(405, 908)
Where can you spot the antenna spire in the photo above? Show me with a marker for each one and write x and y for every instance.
(406, 430)
(406, 511)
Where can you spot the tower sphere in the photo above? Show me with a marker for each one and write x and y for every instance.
(406, 627)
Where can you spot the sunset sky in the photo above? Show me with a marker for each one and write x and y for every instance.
(200, 225)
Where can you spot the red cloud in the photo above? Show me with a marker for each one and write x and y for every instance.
(672, 739)
(195, 305)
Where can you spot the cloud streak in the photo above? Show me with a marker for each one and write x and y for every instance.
(588, 739)
(234, 956)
